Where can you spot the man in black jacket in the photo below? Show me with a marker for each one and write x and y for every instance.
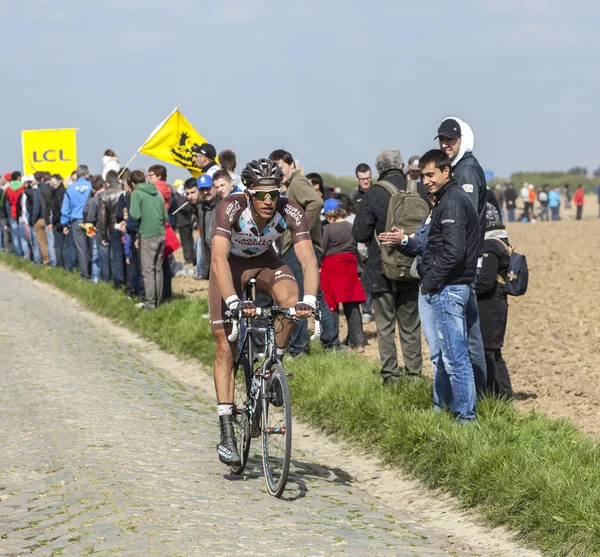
(43, 225)
(203, 198)
(457, 140)
(62, 258)
(393, 301)
(110, 234)
(449, 267)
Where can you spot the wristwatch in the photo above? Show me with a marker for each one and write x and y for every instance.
(404, 240)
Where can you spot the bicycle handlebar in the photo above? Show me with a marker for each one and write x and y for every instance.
(289, 313)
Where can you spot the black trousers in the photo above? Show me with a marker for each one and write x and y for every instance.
(59, 246)
(579, 212)
(356, 335)
(498, 380)
(186, 236)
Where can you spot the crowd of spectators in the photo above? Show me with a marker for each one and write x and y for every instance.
(123, 227)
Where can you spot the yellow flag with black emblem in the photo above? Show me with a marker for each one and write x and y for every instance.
(172, 142)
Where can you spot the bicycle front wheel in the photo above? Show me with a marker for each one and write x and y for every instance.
(241, 421)
(277, 429)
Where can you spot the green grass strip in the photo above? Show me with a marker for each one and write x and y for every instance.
(538, 477)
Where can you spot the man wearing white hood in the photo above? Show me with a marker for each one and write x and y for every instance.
(457, 141)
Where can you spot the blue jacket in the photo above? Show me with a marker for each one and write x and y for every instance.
(416, 244)
(553, 198)
(74, 201)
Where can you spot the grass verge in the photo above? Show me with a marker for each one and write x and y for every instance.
(538, 477)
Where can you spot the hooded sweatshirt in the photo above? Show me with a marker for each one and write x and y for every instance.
(13, 191)
(468, 173)
(108, 164)
(148, 208)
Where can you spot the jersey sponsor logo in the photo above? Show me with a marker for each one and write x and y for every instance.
(224, 230)
(468, 188)
(296, 214)
(232, 208)
(254, 241)
(304, 232)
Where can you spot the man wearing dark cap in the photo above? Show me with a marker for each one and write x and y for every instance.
(457, 140)
(204, 158)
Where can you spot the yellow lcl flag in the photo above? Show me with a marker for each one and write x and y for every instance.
(53, 151)
(172, 142)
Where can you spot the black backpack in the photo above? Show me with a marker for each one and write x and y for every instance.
(517, 275)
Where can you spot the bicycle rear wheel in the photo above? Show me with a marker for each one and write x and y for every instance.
(241, 422)
(277, 429)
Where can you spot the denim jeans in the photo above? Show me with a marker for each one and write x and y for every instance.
(476, 350)
(51, 249)
(299, 342)
(511, 215)
(103, 259)
(17, 246)
(7, 239)
(555, 213)
(35, 247)
(442, 390)
(82, 245)
(449, 307)
(23, 241)
(70, 251)
(96, 271)
(367, 307)
(116, 257)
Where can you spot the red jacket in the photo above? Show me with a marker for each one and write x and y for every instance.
(13, 198)
(339, 280)
(579, 197)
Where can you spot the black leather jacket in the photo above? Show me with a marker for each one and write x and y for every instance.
(107, 210)
(452, 249)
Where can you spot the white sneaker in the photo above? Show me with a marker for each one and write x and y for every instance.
(366, 318)
(140, 305)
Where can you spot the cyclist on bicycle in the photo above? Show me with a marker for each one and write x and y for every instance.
(246, 227)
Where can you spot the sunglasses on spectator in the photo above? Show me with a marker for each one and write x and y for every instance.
(261, 195)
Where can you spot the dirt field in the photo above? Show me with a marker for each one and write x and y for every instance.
(553, 341)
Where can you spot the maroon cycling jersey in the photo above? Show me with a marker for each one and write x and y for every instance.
(234, 220)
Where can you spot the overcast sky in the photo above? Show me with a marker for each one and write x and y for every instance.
(334, 82)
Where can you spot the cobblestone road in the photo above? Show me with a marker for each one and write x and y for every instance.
(104, 454)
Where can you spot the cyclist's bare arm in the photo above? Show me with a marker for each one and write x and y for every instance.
(306, 255)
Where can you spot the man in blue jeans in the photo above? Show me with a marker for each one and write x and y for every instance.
(71, 217)
(449, 268)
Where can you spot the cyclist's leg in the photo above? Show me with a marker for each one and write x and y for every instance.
(220, 323)
(276, 280)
